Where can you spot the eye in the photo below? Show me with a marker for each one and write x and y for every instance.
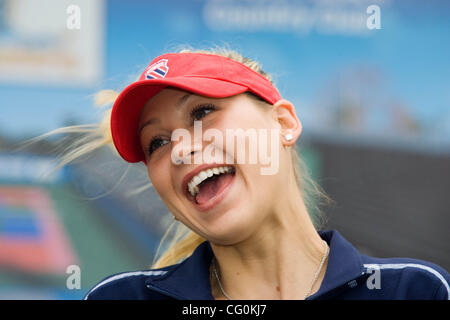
(201, 111)
(155, 143)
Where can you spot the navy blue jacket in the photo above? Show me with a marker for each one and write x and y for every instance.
(349, 275)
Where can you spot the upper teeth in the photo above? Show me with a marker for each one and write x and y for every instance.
(203, 175)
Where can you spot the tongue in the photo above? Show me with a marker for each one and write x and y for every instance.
(211, 187)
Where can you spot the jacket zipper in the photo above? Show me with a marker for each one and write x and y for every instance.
(172, 295)
(340, 288)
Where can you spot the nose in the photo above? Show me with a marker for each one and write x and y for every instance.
(186, 153)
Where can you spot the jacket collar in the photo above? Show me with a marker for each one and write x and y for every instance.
(344, 264)
(190, 279)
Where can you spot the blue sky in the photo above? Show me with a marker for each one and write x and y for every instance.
(411, 52)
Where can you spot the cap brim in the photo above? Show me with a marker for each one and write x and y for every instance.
(129, 104)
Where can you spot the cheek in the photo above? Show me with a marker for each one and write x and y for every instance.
(246, 117)
(259, 134)
(159, 177)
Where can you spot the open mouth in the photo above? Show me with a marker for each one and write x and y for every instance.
(208, 184)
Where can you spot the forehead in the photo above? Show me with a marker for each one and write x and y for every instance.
(170, 99)
(165, 100)
(166, 96)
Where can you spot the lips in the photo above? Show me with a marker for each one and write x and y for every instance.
(221, 189)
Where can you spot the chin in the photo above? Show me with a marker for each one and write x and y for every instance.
(230, 229)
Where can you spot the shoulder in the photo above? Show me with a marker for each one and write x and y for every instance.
(410, 278)
(126, 285)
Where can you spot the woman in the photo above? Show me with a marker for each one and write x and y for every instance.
(252, 236)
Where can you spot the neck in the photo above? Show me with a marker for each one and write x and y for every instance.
(279, 261)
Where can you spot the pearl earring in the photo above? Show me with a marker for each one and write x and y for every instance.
(288, 137)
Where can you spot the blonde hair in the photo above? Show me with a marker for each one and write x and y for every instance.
(184, 240)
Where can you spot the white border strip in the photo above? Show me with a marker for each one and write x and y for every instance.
(411, 265)
(124, 275)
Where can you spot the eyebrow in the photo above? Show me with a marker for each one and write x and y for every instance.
(183, 100)
(180, 103)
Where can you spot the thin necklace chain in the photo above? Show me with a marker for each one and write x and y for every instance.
(316, 276)
(218, 280)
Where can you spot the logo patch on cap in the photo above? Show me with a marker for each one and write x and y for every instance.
(157, 70)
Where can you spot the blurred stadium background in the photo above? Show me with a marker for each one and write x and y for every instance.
(375, 106)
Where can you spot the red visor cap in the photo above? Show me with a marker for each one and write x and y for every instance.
(204, 74)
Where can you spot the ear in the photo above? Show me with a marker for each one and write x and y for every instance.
(284, 113)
